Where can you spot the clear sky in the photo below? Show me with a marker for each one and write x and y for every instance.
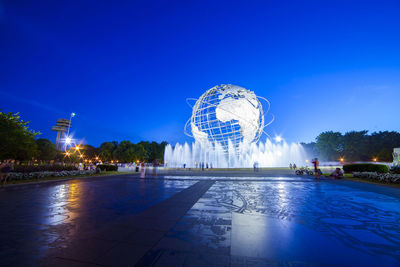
(126, 69)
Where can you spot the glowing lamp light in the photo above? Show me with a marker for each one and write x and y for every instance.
(68, 140)
(341, 159)
(375, 159)
(278, 138)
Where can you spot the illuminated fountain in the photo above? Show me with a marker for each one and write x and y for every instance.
(227, 122)
(266, 154)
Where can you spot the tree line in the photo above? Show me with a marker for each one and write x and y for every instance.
(354, 146)
(20, 143)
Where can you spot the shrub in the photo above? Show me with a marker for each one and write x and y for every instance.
(13, 176)
(365, 167)
(42, 168)
(386, 178)
(395, 169)
(107, 167)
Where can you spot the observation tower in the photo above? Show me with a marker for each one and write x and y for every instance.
(62, 127)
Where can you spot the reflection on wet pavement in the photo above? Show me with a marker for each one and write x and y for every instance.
(36, 218)
(247, 223)
(241, 221)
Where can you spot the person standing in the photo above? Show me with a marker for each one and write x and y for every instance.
(5, 168)
(316, 163)
(155, 167)
(317, 171)
(142, 170)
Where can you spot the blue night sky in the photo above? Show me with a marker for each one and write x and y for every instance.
(126, 69)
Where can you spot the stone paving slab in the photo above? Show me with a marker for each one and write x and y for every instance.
(247, 220)
(281, 223)
(124, 242)
(35, 219)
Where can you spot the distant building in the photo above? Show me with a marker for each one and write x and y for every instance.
(396, 156)
(61, 128)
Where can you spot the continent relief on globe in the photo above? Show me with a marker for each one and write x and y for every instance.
(243, 110)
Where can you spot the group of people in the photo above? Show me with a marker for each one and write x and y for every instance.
(201, 165)
(336, 174)
(87, 167)
(292, 166)
(156, 164)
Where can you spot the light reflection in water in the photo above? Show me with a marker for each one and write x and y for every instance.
(63, 200)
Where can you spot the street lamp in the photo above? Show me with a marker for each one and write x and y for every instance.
(70, 119)
(68, 140)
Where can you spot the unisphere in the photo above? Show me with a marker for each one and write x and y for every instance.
(227, 122)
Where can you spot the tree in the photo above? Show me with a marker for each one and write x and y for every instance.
(147, 149)
(17, 141)
(381, 145)
(330, 145)
(310, 149)
(107, 149)
(140, 152)
(355, 146)
(88, 151)
(153, 150)
(161, 150)
(47, 150)
(125, 152)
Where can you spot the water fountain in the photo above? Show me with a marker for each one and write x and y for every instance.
(265, 154)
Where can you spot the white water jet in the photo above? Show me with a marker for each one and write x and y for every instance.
(265, 154)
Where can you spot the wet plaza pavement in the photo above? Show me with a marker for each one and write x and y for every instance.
(189, 221)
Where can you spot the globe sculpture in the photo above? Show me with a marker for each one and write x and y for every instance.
(227, 116)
